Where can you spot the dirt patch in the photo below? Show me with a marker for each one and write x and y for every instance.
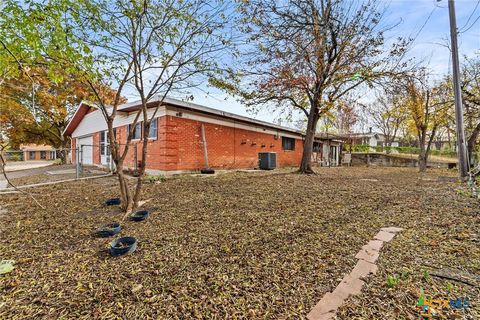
(237, 246)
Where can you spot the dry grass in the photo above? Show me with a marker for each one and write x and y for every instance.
(243, 245)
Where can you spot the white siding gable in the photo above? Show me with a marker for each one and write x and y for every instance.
(95, 122)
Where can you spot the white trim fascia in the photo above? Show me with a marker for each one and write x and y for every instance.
(231, 123)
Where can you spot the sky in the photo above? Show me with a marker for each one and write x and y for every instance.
(429, 44)
(425, 20)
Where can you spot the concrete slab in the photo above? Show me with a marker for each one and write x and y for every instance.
(350, 286)
(384, 236)
(3, 183)
(375, 245)
(323, 316)
(392, 229)
(367, 254)
(24, 165)
(328, 304)
(60, 172)
(363, 268)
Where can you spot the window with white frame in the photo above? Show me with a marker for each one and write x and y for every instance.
(137, 132)
(153, 129)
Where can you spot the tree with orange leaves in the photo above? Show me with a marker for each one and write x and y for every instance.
(36, 109)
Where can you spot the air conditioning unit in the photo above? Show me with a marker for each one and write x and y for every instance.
(267, 160)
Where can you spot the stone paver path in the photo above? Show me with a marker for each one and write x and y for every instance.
(352, 283)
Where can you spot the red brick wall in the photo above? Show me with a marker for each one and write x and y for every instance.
(228, 147)
(73, 150)
(179, 146)
(96, 148)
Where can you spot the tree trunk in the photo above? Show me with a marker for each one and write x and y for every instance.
(118, 157)
(471, 143)
(126, 195)
(62, 153)
(141, 171)
(422, 161)
(422, 157)
(306, 164)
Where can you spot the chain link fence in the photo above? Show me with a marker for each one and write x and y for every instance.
(31, 167)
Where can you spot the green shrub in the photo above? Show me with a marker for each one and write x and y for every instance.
(154, 178)
(15, 157)
(393, 281)
(57, 161)
(358, 148)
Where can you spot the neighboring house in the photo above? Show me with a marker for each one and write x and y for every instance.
(233, 141)
(37, 152)
(327, 149)
(372, 139)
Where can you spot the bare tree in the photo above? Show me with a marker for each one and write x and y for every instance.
(308, 54)
(156, 47)
(387, 115)
(471, 99)
(427, 107)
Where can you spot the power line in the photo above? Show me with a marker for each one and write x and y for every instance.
(425, 23)
(470, 17)
(473, 23)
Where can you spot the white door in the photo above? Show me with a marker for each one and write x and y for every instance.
(86, 152)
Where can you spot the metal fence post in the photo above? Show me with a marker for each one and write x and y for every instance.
(80, 162)
(135, 158)
(77, 157)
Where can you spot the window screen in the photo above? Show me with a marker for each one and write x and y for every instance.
(153, 129)
(288, 143)
(137, 132)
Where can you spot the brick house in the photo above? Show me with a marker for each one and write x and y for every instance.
(233, 141)
(37, 152)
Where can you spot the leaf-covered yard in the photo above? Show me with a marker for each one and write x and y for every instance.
(240, 245)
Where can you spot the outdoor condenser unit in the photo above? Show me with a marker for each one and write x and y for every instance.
(267, 160)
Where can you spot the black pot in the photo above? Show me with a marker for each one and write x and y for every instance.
(113, 202)
(139, 215)
(129, 245)
(109, 230)
(207, 171)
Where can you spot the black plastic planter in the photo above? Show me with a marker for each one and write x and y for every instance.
(124, 245)
(139, 215)
(113, 202)
(109, 230)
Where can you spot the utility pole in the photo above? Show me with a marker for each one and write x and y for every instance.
(461, 150)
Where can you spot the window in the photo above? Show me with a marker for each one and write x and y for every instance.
(103, 138)
(43, 155)
(288, 143)
(32, 155)
(137, 132)
(52, 154)
(153, 129)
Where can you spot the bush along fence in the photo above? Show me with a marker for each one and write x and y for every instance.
(403, 150)
(473, 181)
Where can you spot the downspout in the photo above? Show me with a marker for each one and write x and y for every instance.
(206, 169)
